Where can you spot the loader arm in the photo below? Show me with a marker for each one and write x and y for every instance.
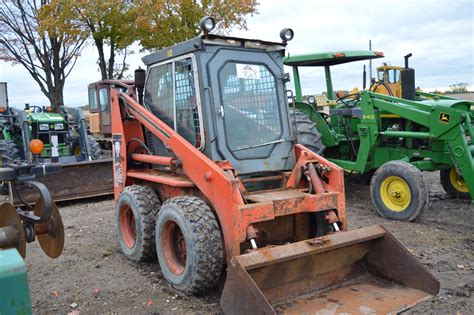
(218, 187)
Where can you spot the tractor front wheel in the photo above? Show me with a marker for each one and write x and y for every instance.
(189, 244)
(96, 150)
(135, 214)
(453, 183)
(398, 191)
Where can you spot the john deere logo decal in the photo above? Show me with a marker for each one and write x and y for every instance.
(444, 118)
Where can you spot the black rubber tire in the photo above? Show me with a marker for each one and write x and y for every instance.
(413, 177)
(144, 205)
(203, 242)
(9, 151)
(307, 133)
(96, 150)
(444, 176)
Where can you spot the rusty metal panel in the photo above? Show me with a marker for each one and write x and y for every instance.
(76, 181)
(356, 272)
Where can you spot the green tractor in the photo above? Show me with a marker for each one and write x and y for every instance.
(388, 140)
(36, 131)
(37, 135)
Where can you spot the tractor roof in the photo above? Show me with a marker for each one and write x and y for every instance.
(124, 83)
(331, 58)
(199, 42)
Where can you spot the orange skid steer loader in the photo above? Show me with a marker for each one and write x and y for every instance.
(207, 174)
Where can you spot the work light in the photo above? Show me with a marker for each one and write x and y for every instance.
(207, 24)
(287, 34)
(311, 99)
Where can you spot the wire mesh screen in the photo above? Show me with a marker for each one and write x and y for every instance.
(187, 117)
(159, 93)
(165, 90)
(251, 111)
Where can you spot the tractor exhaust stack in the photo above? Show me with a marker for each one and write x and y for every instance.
(363, 270)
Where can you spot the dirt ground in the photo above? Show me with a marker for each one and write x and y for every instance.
(93, 277)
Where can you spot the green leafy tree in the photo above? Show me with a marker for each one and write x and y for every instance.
(111, 25)
(48, 52)
(164, 23)
(114, 25)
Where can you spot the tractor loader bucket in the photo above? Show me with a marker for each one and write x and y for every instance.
(355, 272)
(75, 181)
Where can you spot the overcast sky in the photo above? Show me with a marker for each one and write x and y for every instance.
(439, 33)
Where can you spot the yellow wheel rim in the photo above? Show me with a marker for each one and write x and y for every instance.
(395, 193)
(456, 181)
(77, 150)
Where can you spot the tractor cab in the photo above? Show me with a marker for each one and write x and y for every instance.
(100, 121)
(395, 81)
(225, 96)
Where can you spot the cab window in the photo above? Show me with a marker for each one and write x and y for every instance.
(394, 75)
(104, 106)
(170, 94)
(92, 99)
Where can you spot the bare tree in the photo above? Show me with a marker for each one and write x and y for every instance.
(47, 52)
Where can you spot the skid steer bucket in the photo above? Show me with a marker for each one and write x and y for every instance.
(75, 181)
(361, 271)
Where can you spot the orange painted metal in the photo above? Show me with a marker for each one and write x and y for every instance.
(161, 177)
(154, 159)
(218, 182)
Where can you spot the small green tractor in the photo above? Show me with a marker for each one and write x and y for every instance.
(61, 139)
(37, 135)
(388, 140)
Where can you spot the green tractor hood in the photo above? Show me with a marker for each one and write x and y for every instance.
(45, 118)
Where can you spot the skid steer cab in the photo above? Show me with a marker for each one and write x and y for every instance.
(207, 174)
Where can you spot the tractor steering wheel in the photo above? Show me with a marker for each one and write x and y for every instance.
(36, 109)
(349, 103)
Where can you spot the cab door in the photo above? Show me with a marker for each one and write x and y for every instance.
(103, 98)
(250, 109)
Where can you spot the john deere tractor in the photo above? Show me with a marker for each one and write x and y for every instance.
(389, 139)
(37, 135)
(56, 136)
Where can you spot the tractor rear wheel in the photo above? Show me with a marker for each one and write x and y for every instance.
(135, 214)
(9, 153)
(453, 183)
(307, 133)
(398, 191)
(189, 244)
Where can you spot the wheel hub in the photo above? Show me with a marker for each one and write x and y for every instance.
(395, 193)
(174, 247)
(457, 181)
(127, 226)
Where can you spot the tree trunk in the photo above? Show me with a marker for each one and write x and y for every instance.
(56, 98)
(102, 65)
(112, 59)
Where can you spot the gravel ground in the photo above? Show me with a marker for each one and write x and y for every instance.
(93, 277)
